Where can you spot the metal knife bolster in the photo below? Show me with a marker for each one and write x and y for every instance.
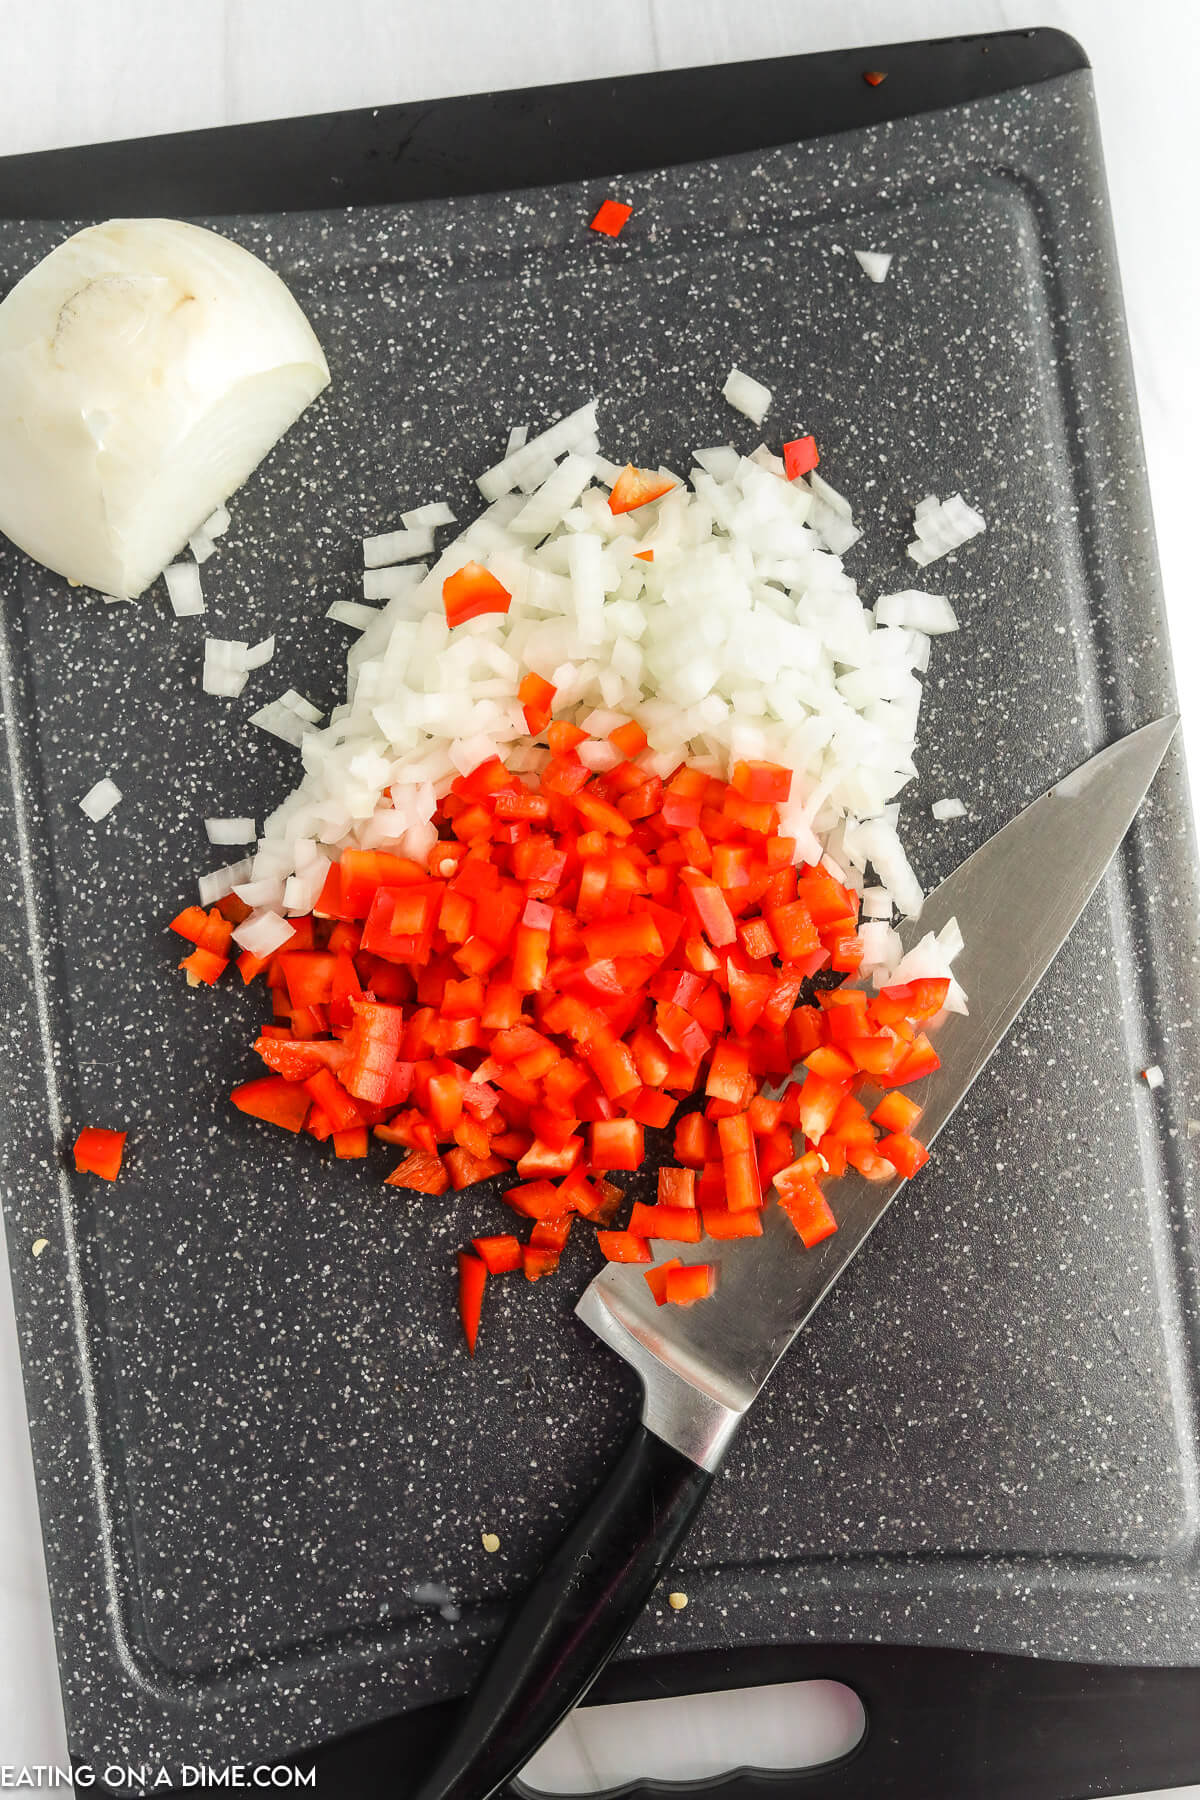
(680, 1404)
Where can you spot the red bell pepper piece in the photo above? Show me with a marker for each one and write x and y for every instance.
(274, 1100)
(471, 591)
(351, 1144)
(676, 1187)
(657, 1278)
(472, 1279)
(611, 217)
(551, 1233)
(719, 1222)
(896, 1112)
(204, 966)
(690, 1282)
(616, 1144)
(423, 1171)
(637, 487)
(98, 1151)
(904, 1152)
(537, 697)
(623, 1246)
(537, 1261)
(679, 1224)
(799, 456)
(500, 1255)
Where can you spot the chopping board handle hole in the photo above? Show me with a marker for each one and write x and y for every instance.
(786, 1726)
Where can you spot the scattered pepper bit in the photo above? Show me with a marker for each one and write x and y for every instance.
(873, 77)
(677, 1601)
(98, 1151)
(490, 1542)
(799, 457)
(611, 217)
(39, 1244)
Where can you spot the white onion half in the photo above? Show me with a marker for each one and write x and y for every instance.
(146, 368)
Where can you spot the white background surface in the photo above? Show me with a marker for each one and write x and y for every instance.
(83, 71)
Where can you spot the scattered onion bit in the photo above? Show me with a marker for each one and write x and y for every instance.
(38, 1245)
(611, 218)
(98, 1151)
(472, 591)
(1153, 1076)
(799, 457)
(490, 1542)
(637, 487)
(873, 77)
(677, 1601)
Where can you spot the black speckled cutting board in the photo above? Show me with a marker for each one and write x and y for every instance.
(256, 1434)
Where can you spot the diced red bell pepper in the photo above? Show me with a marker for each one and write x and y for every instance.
(204, 966)
(819, 1101)
(551, 1233)
(676, 1187)
(423, 1171)
(537, 1199)
(327, 1091)
(805, 1204)
(610, 218)
(719, 1222)
(351, 1144)
(922, 1059)
(537, 1261)
(472, 1279)
(762, 781)
(537, 697)
(500, 1255)
(911, 1000)
(472, 591)
(799, 457)
(679, 1224)
(692, 1140)
(550, 1161)
(904, 1152)
(98, 1150)
(274, 1100)
(657, 1278)
(616, 1144)
(637, 487)
(690, 1282)
(896, 1112)
(623, 1247)
(710, 907)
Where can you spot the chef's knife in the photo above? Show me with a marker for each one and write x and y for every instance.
(1016, 899)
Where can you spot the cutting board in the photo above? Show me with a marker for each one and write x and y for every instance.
(264, 1462)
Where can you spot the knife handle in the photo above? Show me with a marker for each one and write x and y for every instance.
(578, 1611)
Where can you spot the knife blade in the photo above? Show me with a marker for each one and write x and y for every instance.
(1016, 899)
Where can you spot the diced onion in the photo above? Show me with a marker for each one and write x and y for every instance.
(747, 395)
(230, 831)
(291, 717)
(874, 263)
(1153, 1076)
(948, 809)
(218, 882)
(942, 526)
(262, 933)
(183, 589)
(396, 547)
(429, 516)
(99, 800)
(352, 612)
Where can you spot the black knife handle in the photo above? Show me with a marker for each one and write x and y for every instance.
(577, 1612)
